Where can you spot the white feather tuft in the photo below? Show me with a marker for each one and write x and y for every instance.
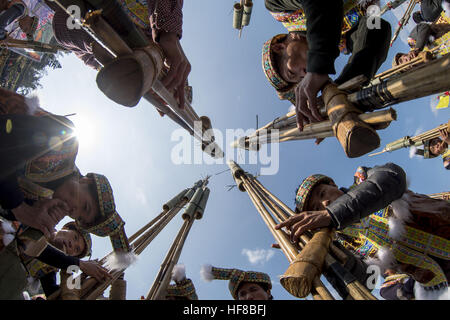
(34, 285)
(400, 208)
(384, 259)
(412, 153)
(120, 260)
(206, 272)
(26, 295)
(438, 294)
(33, 103)
(7, 239)
(179, 273)
(396, 228)
(7, 227)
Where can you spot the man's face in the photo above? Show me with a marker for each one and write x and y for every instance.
(83, 204)
(437, 146)
(408, 56)
(252, 291)
(69, 241)
(292, 58)
(322, 195)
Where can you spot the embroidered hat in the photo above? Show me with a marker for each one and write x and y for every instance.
(284, 89)
(236, 277)
(112, 225)
(305, 188)
(86, 237)
(183, 288)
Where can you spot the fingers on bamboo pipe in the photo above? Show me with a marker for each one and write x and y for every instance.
(300, 274)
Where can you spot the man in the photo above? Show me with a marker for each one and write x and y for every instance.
(160, 20)
(74, 242)
(297, 64)
(16, 10)
(397, 286)
(396, 235)
(27, 251)
(40, 183)
(243, 285)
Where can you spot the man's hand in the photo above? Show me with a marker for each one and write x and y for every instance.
(38, 216)
(178, 63)
(306, 220)
(95, 270)
(306, 92)
(444, 135)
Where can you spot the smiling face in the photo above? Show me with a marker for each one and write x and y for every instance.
(69, 241)
(322, 195)
(252, 291)
(78, 193)
(291, 57)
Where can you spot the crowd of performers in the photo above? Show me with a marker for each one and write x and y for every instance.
(40, 183)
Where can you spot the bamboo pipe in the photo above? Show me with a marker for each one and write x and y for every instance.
(148, 225)
(289, 250)
(164, 275)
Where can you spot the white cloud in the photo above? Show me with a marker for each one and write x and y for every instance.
(258, 256)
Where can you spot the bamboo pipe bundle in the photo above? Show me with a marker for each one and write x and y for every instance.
(264, 201)
(282, 238)
(423, 57)
(300, 286)
(111, 45)
(193, 211)
(417, 140)
(312, 131)
(427, 79)
(139, 241)
(441, 195)
(404, 20)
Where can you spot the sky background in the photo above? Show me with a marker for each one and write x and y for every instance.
(133, 147)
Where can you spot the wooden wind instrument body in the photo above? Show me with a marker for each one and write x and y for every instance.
(415, 141)
(308, 257)
(133, 66)
(91, 289)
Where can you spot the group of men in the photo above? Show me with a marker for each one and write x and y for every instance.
(40, 183)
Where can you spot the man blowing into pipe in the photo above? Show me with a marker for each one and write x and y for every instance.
(378, 217)
(298, 64)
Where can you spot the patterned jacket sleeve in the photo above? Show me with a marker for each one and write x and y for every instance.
(166, 16)
(383, 185)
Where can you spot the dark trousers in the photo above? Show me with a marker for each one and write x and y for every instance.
(369, 48)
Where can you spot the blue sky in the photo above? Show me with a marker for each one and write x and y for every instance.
(132, 147)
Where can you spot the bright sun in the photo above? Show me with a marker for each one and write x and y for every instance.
(85, 131)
